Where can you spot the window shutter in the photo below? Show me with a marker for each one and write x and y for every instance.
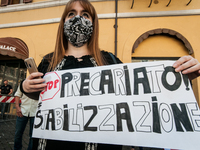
(28, 1)
(4, 2)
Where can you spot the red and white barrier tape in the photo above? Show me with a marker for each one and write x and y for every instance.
(7, 99)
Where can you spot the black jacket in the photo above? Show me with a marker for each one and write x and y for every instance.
(73, 63)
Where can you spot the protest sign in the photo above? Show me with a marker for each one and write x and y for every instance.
(140, 104)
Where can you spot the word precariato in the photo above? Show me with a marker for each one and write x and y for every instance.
(182, 117)
(117, 81)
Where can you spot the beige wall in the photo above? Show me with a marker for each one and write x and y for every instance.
(43, 36)
(142, 5)
(39, 39)
(130, 29)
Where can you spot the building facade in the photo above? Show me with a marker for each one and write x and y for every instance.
(134, 30)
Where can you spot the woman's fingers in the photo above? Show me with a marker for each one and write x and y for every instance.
(186, 64)
(37, 87)
(192, 69)
(178, 64)
(34, 83)
(35, 75)
(29, 88)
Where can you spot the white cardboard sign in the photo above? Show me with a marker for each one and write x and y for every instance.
(140, 104)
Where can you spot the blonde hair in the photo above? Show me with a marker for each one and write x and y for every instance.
(62, 43)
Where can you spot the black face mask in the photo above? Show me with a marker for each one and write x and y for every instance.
(78, 30)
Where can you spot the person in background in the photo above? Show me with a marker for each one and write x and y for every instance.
(77, 47)
(25, 111)
(7, 90)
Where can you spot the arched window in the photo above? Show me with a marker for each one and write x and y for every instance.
(162, 44)
(164, 32)
(10, 2)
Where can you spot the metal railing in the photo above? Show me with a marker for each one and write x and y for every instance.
(7, 107)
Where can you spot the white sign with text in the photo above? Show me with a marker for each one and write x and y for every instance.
(141, 104)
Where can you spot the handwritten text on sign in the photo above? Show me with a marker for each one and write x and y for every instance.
(144, 104)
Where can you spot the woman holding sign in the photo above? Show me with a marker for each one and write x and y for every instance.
(77, 47)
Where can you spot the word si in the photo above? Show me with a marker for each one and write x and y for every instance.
(163, 116)
(8, 47)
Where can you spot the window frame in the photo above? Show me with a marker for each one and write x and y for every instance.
(20, 66)
(10, 2)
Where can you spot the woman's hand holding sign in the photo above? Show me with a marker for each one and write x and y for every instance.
(188, 65)
(33, 83)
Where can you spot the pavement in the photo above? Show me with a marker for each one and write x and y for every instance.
(7, 132)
